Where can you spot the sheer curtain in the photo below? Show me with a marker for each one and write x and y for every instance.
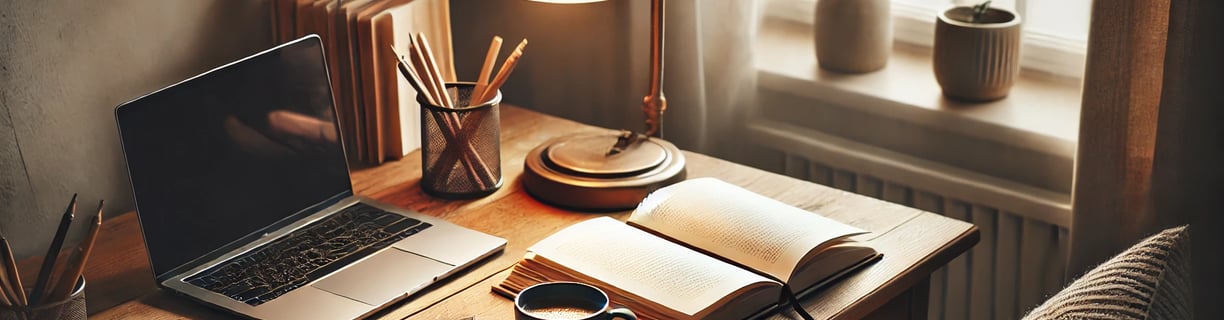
(1151, 146)
(709, 75)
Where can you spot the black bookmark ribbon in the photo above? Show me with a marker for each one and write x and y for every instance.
(788, 296)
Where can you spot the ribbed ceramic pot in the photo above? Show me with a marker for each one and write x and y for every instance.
(853, 36)
(977, 61)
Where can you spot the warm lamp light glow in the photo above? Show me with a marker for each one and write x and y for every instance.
(654, 103)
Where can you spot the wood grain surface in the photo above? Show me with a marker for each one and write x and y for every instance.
(914, 242)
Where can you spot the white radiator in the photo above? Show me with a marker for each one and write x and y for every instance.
(1024, 242)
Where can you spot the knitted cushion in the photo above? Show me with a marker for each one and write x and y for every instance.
(1151, 280)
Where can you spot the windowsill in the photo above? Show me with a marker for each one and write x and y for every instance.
(1039, 117)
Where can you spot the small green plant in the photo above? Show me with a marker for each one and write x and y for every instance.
(979, 10)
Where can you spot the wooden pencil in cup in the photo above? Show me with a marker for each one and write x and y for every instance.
(432, 66)
(416, 72)
(8, 291)
(485, 94)
(48, 266)
(503, 73)
(7, 296)
(76, 263)
(477, 167)
(435, 88)
(429, 90)
(14, 276)
(486, 69)
(413, 77)
(5, 299)
(456, 127)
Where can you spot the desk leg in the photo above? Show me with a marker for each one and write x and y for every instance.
(911, 304)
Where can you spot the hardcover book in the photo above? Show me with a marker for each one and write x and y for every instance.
(377, 109)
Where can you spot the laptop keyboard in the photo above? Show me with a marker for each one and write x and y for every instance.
(307, 254)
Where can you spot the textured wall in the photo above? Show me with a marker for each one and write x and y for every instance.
(579, 63)
(65, 65)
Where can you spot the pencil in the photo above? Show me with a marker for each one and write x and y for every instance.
(486, 69)
(76, 264)
(503, 73)
(8, 297)
(414, 79)
(11, 271)
(48, 266)
(5, 300)
(451, 127)
(437, 89)
(7, 292)
(450, 123)
(433, 68)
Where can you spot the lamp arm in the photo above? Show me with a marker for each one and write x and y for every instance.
(654, 103)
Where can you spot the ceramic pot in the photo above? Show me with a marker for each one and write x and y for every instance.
(853, 36)
(976, 61)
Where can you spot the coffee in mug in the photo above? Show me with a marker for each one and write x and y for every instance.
(566, 300)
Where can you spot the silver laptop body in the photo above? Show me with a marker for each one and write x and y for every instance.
(225, 164)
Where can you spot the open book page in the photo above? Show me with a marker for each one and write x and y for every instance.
(650, 267)
(739, 225)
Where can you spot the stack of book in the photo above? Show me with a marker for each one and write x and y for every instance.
(378, 113)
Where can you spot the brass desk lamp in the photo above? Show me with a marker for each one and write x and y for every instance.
(610, 171)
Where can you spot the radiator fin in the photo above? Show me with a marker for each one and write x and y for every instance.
(981, 286)
(1007, 265)
(959, 271)
(1018, 263)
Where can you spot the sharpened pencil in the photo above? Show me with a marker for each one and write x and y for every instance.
(420, 65)
(451, 125)
(486, 70)
(14, 275)
(76, 264)
(48, 266)
(504, 73)
(414, 79)
(432, 66)
(5, 299)
(8, 297)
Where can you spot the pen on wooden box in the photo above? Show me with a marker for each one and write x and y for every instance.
(48, 265)
(503, 73)
(76, 263)
(14, 276)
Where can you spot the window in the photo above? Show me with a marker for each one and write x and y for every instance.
(1055, 31)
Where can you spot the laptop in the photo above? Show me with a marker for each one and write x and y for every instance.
(243, 193)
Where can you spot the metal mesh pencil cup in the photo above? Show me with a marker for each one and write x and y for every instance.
(72, 308)
(461, 146)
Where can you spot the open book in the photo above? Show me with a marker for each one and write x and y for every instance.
(701, 248)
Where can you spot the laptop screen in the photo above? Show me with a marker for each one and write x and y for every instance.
(217, 157)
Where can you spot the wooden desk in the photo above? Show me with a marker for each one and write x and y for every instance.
(914, 242)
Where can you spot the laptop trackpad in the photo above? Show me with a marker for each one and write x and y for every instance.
(384, 276)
